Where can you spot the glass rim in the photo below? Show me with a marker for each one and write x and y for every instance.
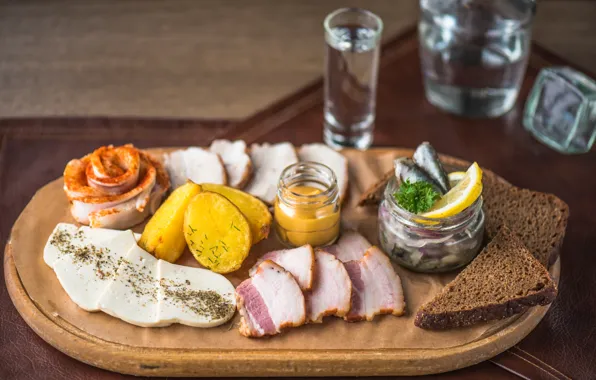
(329, 193)
(376, 19)
(508, 27)
(418, 221)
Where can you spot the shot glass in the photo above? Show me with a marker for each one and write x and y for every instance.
(474, 53)
(561, 110)
(352, 39)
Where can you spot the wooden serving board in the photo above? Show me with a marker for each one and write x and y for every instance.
(223, 357)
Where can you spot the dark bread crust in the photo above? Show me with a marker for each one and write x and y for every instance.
(374, 194)
(447, 320)
(503, 280)
(528, 213)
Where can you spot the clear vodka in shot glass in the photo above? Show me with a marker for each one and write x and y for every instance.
(474, 53)
(352, 39)
(561, 110)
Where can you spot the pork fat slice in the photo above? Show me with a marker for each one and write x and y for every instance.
(300, 262)
(269, 301)
(336, 161)
(195, 164)
(268, 163)
(376, 288)
(332, 290)
(236, 161)
(350, 246)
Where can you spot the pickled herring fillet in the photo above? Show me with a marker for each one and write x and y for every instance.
(269, 301)
(300, 262)
(350, 246)
(407, 170)
(376, 288)
(332, 290)
(427, 159)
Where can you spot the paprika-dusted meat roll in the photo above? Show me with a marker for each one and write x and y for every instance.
(114, 187)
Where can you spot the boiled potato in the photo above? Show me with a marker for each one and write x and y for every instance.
(163, 236)
(216, 232)
(256, 212)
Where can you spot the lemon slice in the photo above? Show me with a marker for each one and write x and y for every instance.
(461, 196)
(455, 177)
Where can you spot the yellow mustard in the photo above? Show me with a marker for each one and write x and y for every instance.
(307, 209)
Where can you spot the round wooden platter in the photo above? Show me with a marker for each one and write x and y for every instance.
(150, 361)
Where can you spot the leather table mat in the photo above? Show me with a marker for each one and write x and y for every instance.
(562, 346)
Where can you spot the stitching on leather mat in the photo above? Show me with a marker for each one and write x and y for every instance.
(549, 369)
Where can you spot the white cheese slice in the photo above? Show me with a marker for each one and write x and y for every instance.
(68, 237)
(85, 277)
(98, 235)
(54, 247)
(185, 295)
(103, 269)
(132, 295)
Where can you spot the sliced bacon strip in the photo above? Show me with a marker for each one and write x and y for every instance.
(332, 290)
(112, 187)
(269, 301)
(350, 246)
(300, 262)
(376, 288)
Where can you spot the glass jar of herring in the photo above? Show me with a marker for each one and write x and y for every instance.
(429, 245)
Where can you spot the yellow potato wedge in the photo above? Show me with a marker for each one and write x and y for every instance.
(256, 212)
(216, 232)
(163, 236)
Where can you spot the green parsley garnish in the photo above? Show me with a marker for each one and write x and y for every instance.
(416, 197)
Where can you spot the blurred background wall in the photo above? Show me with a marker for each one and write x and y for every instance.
(204, 58)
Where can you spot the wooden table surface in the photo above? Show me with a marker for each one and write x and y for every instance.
(201, 58)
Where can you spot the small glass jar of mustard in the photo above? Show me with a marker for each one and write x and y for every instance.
(307, 209)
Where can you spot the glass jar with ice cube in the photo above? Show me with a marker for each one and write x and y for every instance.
(429, 245)
(474, 53)
(561, 110)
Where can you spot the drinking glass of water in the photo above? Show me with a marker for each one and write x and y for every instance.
(352, 39)
(474, 53)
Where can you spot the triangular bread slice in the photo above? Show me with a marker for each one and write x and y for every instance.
(503, 280)
(269, 162)
(236, 161)
(538, 219)
(336, 161)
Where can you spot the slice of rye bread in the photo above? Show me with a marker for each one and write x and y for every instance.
(503, 280)
(539, 219)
